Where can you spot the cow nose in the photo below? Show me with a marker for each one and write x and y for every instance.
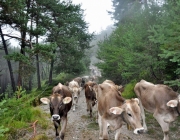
(139, 130)
(75, 97)
(55, 117)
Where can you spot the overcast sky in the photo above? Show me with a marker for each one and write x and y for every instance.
(96, 13)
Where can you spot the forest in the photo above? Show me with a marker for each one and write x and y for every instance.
(53, 41)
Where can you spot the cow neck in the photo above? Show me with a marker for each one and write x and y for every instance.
(178, 109)
(123, 117)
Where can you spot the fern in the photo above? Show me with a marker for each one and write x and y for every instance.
(2, 129)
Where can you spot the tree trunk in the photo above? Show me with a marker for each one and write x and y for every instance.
(51, 70)
(30, 79)
(9, 63)
(37, 59)
(38, 71)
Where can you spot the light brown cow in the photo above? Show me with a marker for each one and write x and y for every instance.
(75, 89)
(60, 103)
(160, 100)
(113, 109)
(90, 96)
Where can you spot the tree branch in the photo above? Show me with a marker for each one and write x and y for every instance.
(19, 39)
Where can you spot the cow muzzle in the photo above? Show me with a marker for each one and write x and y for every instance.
(75, 97)
(139, 130)
(55, 117)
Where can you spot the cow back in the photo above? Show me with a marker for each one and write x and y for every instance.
(154, 96)
(108, 97)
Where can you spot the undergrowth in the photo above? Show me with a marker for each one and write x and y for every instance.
(19, 114)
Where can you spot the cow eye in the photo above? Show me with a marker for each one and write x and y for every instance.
(129, 114)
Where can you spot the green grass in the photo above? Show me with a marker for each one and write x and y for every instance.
(93, 126)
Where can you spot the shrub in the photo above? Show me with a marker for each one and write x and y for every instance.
(128, 92)
(2, 128)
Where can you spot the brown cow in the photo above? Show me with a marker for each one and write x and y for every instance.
(60, 103)
(75, 90)
(90, 96)
(113, 109)
(160, 100)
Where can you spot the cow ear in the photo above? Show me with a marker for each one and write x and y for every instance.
(67, 100)
(116, 110)
(172, 103)
(137, 100)
(45, 100)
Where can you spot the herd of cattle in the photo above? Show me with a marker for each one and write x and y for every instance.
(113, 109)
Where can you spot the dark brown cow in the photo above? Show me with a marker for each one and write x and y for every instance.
(160, 100)
(60, 103)
(113, 109)
(90, 96)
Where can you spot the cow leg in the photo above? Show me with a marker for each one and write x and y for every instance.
(96, 113)
(117, 135)
(63, 127)
(74, 107)
(164, 125)
(103, 134)
(143, 116)
(74, 104)
(90, 109)
(56, 125)
(88, 105)
(100, 126)
(105, 131)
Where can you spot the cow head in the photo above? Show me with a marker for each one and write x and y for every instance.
(175, 104)
(56, 103)
(131, 114)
